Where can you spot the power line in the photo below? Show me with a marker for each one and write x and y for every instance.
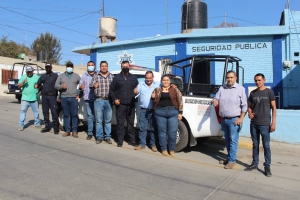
(40, 33)
(48, 22)
(46, 10)
(245, 21)
(53, 5)
(54, 21)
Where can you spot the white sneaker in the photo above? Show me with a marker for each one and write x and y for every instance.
(21, 128)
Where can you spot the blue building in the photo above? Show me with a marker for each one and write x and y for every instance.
(271, 50)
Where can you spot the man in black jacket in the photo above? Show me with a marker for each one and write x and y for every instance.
(49, 95)
(122, 95)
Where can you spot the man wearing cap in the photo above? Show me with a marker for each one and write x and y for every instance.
(88, 96)
(67, 83)
(29, 97)
(46, 84)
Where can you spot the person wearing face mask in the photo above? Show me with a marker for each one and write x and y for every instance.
(122, 94)
(103, 112)
(29, 97)
(67, 83)
(88, 96)
(46, 84)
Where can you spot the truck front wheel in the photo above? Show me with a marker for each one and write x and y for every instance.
(182, 138)
(60, 118)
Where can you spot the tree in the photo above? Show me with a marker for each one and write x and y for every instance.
(8, 48)
(48, 45)
(226, 25)
(65, 63)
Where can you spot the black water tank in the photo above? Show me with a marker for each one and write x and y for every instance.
(194, 12)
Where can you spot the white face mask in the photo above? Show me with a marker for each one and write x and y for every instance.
(91, 68)
(69, 69)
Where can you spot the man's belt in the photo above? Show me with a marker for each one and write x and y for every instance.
(147, 109)
(103, 98)
(230, 117)
(49, 93)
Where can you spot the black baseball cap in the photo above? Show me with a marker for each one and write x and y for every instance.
(69, 64)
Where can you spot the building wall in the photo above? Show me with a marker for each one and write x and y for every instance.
(142, 55)
(255, 52)
(287, 127)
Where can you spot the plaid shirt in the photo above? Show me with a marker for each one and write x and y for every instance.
(104, 83)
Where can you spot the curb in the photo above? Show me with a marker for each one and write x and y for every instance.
(244, 143)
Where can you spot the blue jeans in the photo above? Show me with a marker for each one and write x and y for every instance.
(145, 118)
(264, 131)
(70, 108)
(24, 107)
(231, 133)
(167, 125)
(89, 105)
(103, 110)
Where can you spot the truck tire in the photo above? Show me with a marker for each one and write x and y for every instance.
(182, 138)
(40, 98)
(60, 118)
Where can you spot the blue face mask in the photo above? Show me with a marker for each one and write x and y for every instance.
(91, 68)
(69, 70)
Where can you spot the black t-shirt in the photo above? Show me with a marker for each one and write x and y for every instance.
(165, 100)
(261, 106)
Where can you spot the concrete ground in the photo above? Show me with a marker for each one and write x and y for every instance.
(36, 165)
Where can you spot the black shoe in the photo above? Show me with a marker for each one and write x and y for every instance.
(89, 137)
(268, 172)
(98, 141)
(119, 145)
(108, 141)
(46, 129)
(132, 144)
(251, 167)
(56, 132)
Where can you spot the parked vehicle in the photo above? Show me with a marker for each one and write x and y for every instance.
(200, 118)
(13, 82)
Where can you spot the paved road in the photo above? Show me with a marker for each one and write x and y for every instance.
(36, 165)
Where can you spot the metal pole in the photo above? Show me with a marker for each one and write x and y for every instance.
(103, 13)
(167, 15)
(186, 16)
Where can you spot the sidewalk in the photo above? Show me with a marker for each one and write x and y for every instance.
(278, 147)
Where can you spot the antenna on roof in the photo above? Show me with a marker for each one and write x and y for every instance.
(287, 5)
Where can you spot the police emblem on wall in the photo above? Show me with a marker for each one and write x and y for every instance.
(125, 57)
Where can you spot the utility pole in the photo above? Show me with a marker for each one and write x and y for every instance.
(167, 15)
(103, 13)
(225, 19)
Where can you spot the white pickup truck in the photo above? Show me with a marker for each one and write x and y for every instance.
(200, 119)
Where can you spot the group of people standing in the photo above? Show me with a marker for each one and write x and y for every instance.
(161, 103)
(161, 108)
(233, 106)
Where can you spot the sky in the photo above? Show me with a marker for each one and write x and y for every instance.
(76, 22)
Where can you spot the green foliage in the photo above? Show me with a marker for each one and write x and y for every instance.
(49, 45)
(65, 63)
(11, 49)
